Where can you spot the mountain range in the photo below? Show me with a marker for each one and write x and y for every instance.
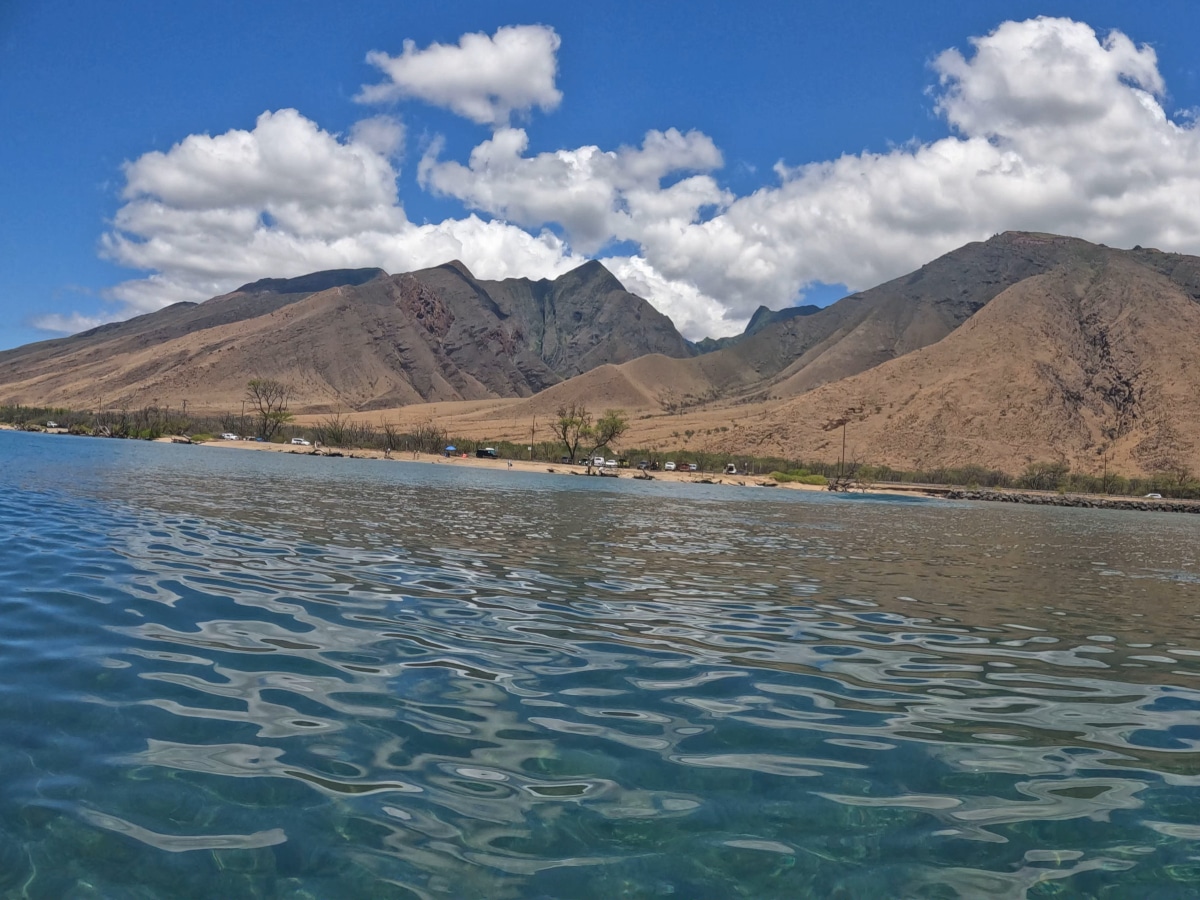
(352, 339)
(1022, 348)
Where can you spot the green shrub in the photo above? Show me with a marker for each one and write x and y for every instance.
(799, 478)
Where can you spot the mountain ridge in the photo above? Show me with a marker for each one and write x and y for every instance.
(433, 334)
(1024, 347)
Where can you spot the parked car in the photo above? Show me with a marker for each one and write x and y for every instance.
(230, 436)
(692, 467)
(610, 464)
(598, 461)
(643, 464)
(730, 469)
(51, 424)
(487, 453)
(669, 466)
(1153, 497)
(300, 442)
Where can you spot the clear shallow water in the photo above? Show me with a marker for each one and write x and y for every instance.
(251, 675)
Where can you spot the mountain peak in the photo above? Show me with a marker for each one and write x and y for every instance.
(311, 283)
(594, 274)
(458, 266)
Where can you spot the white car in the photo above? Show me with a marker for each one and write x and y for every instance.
(669, 466)
(610, 464)
(1153, 497)
(229, 436)
(300, 442)
(598, 461)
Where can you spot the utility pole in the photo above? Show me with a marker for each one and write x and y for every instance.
(842, 462)
(532, 431)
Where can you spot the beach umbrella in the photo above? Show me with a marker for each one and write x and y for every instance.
(451, 448)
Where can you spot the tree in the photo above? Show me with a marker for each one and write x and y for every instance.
(268, 398)
(572, 425)
(334, 430)
(608, 429)
(1045, 476)
(391, 437)
(428, 437)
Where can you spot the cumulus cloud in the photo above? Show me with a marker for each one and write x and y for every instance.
(693, 313)
(383, 134)
(485, 79)
(1050, 127)
(284, 199)
(1055, 129)
(596, 196)
(1041, 75)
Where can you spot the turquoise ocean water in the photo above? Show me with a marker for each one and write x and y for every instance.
(232, 674)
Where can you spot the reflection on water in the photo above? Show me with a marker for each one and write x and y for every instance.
(240, 675)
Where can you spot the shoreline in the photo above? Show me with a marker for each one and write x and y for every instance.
(517, 465)
(522, 465)
(934, 492)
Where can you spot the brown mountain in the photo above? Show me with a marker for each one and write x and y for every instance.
(792, 354)
(1025, 348)
(1020, 349)
(1091, 363)
(356, 339)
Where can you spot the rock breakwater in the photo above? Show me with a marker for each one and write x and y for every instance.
(1087, 501)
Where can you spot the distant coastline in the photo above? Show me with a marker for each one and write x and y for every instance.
(943, 492)
(516, 465)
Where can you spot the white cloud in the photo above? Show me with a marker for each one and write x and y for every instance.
(1050, 128)
(695, 315)
(485, 79)
(594, 195)
(285, 199)
(1057, 130)
(1043, 76)
(383, 134)
(72, 323)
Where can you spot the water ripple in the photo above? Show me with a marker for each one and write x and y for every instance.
(415, 682)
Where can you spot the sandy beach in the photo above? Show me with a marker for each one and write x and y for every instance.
(515, 465)
(524, 465)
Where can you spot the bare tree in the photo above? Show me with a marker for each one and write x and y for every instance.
(427, 437)
(391, 437)
(361, 434)
(269, 399)
(333, 430)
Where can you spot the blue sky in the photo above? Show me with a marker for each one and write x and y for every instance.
(714, 155)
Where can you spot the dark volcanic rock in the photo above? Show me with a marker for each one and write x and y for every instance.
(1076, 500)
